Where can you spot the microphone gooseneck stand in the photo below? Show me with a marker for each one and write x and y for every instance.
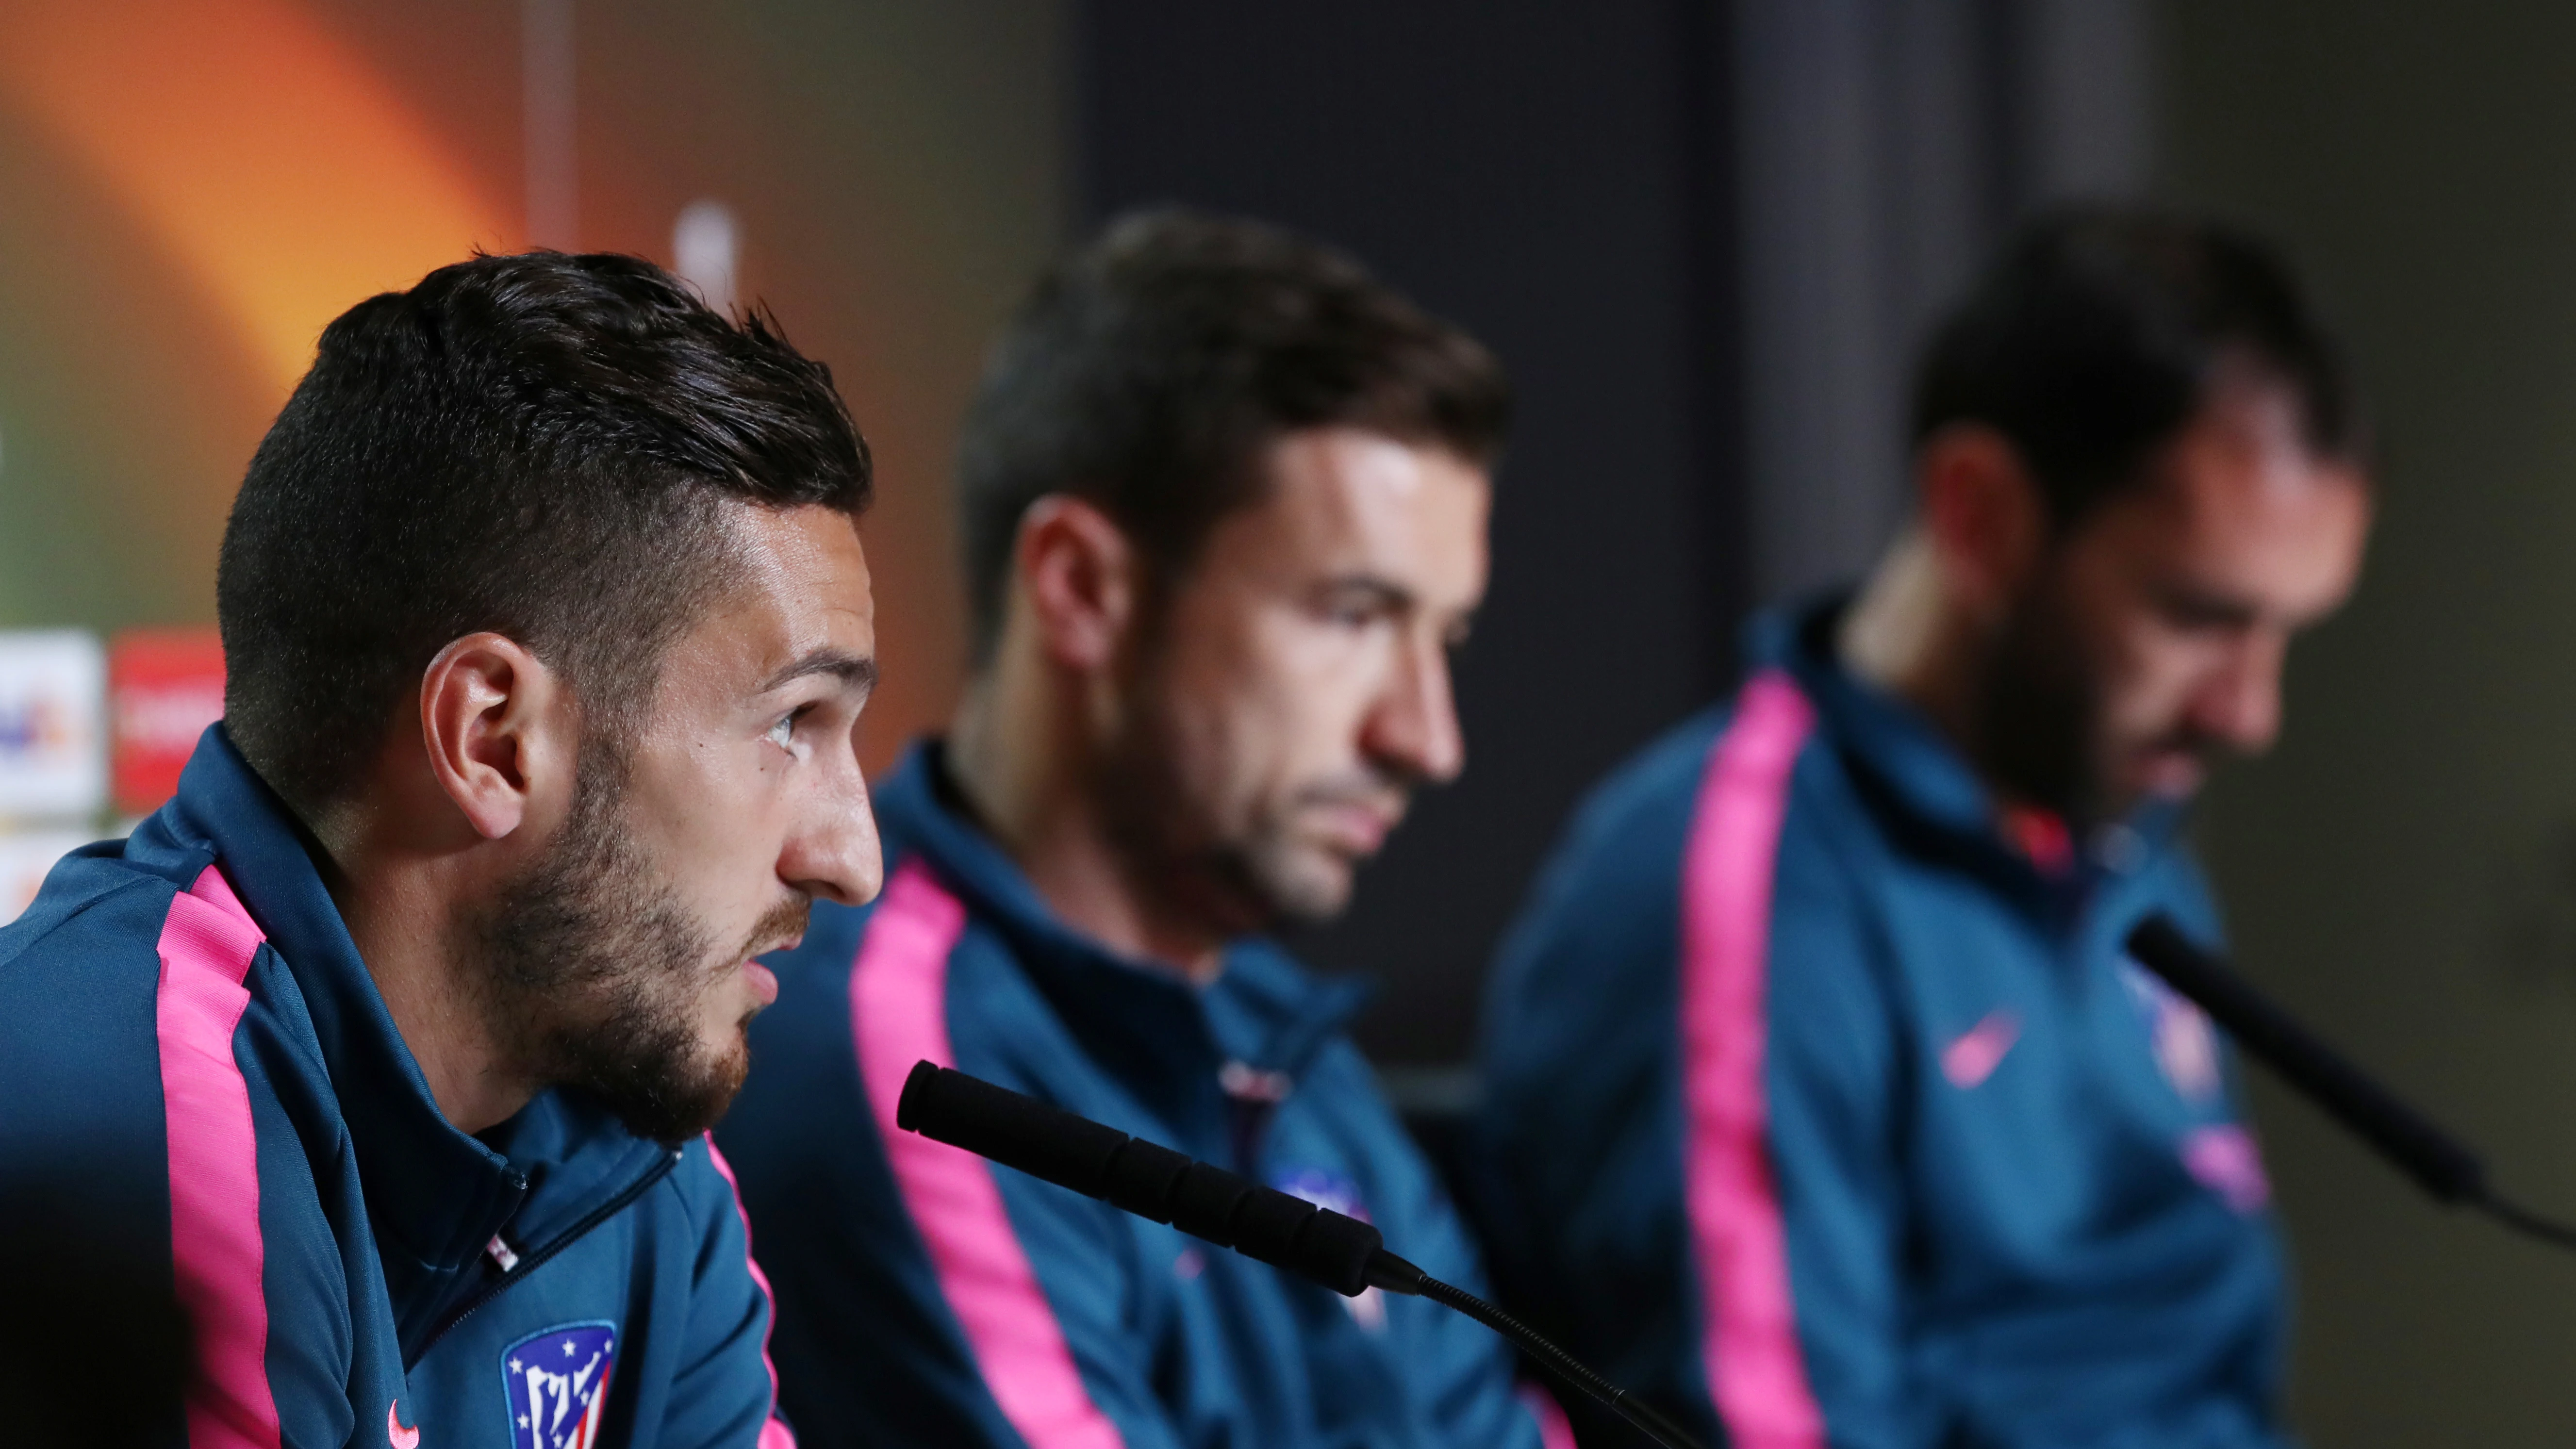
(1221, 1207)
(2440, 1163)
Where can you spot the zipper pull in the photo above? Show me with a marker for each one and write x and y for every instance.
(500, 1253)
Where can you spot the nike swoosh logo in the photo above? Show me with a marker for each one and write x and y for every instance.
(1968, 1061)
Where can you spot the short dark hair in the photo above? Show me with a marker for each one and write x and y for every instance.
(541, 445)
(2098, 333)
(1150, 369)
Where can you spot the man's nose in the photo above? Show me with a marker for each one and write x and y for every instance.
(1414, 727)
(2241, 707)
(834, 852)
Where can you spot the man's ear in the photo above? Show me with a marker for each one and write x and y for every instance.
(1984, 512)
(497, 735)
(1078, 574)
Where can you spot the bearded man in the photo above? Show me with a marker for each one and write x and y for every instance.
(395, 1036)
(1223, 500)
(1825, 1107)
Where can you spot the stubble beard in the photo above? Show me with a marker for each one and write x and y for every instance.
(2043, 733)
(2038, 715)
(1183, 860)
(593, 971)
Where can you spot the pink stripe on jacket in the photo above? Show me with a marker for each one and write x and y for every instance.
(1749, 1339)
(899, 1016)
(217, 1256)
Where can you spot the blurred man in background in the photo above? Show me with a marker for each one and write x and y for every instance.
(390, 1043)
(1825, 1107)
(1223, 499)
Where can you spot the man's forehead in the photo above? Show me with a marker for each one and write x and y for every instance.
(2245, 514)
(1350, 494)
(799, 600)
(2224, 497)
(810, 542)
(2241, 471)
(2248, 450)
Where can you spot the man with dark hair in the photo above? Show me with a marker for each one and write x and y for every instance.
(1223, 503)
(392, 1041)
(1825, 1107)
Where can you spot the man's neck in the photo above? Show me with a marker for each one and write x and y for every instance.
(1907, 633)
(398, 905)
(1016, 756)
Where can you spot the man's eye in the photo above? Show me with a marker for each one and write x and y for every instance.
(2197, 618)
(783, 733)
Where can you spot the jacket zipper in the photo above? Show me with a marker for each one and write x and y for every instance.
(1253, 1097)
(530, 1262)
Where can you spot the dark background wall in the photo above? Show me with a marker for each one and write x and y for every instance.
(2403, 870)
(1552, 177)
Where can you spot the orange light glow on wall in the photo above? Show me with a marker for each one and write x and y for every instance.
(262, 152)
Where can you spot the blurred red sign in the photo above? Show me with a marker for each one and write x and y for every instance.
(164, 687)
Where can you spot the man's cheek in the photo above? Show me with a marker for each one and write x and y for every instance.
(2135, 666)
(1325, 702)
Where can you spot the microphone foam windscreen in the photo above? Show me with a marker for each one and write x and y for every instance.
(1008, 1127)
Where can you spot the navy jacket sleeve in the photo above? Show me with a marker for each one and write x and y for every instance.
(1835, 1072)
(86, 1065)
(724, 1393)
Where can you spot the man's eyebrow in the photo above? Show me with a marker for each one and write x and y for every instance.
(2208, 605)
(1380, 589)
(854, 670)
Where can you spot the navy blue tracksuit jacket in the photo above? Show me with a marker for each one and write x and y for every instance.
(927, 1298)
(1826, 1107)
(192, 1049)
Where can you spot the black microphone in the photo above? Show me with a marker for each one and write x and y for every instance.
(1224, 1208)
(1342, 1253)
(2446, 1169)
(2437, 1161)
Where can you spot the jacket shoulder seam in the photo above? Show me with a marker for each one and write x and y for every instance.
(122, 888)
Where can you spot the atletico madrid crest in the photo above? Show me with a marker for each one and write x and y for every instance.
(558, 1385)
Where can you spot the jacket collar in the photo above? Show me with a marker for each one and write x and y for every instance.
(1920, 778)
(1264, 1011)
(435, 1195)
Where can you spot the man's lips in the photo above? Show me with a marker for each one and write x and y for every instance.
(1358, 829)
(2169, 770)
(780, 931)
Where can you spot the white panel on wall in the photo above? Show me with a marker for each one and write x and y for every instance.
(53, 740)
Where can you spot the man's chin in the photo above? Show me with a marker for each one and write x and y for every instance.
(2170, 775)
(1313, 891)
(670, 1101)
(2145, 786)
